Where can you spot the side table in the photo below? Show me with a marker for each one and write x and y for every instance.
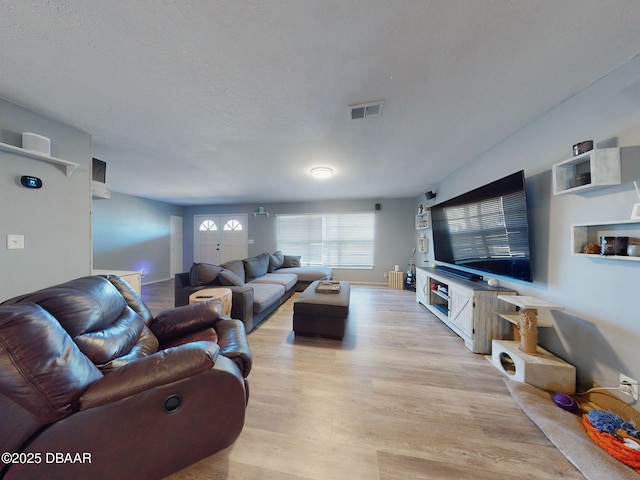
(222, 295)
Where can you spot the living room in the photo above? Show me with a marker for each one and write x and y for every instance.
(66, 233)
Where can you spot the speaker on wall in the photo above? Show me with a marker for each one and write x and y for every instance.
(378, 206)
(430, 195)
(99, 171)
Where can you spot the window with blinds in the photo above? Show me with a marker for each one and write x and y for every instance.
(337, 240)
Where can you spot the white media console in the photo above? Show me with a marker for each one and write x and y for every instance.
(467, 307)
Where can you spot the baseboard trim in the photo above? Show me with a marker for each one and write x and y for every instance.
(157, 281)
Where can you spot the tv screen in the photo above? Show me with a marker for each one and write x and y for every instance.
(486, 229)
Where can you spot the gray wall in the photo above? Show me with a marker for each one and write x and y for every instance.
(131, 233)
(394, 230)
(55, 220)
(599, 331)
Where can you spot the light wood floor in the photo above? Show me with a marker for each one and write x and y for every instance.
(400, 398)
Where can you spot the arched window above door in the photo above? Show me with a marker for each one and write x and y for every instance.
(208, 226)
(234, 225)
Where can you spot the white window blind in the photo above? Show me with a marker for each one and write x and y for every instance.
(336, 240)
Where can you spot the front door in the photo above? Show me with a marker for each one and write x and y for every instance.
(219, 238)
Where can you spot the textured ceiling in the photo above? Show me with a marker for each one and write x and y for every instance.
(199, 102)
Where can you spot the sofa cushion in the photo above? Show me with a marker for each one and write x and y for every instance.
(291, 261)
(287, 280)
(265, 295)
(276, 259)
(229, 279)
(203, 274)
(308, 273)
(255, 267)
(237, 267)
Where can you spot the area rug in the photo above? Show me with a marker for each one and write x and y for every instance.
(566, 432)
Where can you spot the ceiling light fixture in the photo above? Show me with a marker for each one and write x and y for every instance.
(321, 172)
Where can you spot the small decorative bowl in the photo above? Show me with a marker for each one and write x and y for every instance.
(633, 250)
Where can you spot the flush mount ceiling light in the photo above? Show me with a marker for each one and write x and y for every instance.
(321, 172)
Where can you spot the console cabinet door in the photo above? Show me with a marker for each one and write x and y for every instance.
(421, 287)
(461, 309)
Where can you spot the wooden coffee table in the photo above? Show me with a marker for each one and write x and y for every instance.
(222, 295)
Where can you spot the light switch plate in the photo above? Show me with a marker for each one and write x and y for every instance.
(15, 242)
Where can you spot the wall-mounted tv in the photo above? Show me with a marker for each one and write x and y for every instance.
(486, 229)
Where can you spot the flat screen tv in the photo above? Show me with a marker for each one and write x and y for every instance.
(486, 229)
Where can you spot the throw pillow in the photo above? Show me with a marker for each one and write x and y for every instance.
(255, 267)
(230, 279)
(291, 261)
(276, 259)
(203, 274)
(237, 267)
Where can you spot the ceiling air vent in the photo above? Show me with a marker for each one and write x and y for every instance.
(365, 110)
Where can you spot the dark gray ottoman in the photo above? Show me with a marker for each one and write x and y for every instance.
(321, 314)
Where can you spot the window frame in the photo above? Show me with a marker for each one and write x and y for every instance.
(324, 244)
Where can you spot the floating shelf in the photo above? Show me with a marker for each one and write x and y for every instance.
(587, 171)
(68, 167)
(583, 233)
(423, 220)
(100, 190)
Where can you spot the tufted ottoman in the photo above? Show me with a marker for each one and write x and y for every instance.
(321, 314)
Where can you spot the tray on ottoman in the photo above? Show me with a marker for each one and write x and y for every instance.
(321, 314)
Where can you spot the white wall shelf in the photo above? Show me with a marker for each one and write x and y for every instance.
(67, 166)
(583, 233)
(423, 220)
(594, 169)
(100, 190)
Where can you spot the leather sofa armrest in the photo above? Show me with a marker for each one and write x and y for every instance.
(242, 305)
(183, 289)
(161, 368)
(182, 280)
(179, 321)
(232, 339)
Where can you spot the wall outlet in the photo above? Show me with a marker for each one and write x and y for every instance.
(629, 386)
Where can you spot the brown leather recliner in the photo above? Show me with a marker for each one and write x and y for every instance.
(92, 386)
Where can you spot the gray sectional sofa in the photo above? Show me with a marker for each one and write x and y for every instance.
(259, 284)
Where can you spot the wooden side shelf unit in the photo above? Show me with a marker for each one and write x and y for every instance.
(466, 307)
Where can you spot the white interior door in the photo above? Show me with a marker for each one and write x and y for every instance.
(175, 245)
(219, 238)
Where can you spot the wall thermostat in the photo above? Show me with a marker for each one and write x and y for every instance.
(30, 182)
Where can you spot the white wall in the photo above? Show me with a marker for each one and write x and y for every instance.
(132, 233)
(56, 219)
(600, 330)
